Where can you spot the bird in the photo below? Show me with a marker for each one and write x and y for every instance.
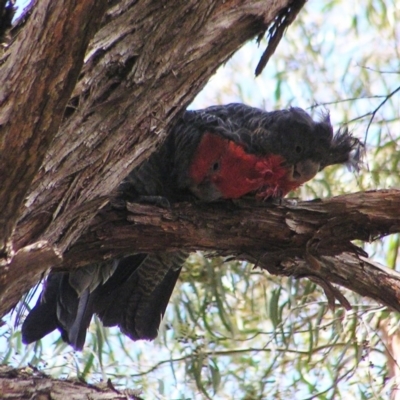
(214, 154)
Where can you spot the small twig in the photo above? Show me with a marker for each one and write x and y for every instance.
(374, 112)
(331, 293)
(282, 21)
(329, 103)
(378, 70)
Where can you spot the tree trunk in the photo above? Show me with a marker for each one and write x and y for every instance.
(88, 90)
(87, 94)
(137, 75)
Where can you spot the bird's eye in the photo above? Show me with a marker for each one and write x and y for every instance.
(298, 149)
(216, 166)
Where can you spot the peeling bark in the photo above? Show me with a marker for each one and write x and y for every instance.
(38, 74)
(87, 91)
(26, 268)
(143, 67)
(27, 384)
(301, 239)
(320, 227)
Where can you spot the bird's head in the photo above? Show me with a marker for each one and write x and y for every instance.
(274, 154)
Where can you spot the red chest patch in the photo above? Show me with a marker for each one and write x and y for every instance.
(234, 172)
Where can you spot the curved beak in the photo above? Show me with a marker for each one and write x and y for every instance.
(303, 171)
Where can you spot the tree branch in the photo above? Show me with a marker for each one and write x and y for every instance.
(29, 384)
(301, 239)
(319, 227)
(26, 268)
(38, 74)
(143, 67)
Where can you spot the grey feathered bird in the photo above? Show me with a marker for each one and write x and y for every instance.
(217, 153)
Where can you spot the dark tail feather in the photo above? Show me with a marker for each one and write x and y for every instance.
(135, 298)
(74, 313)
(114, 295)
(138, 305)
(77, 331)
(143, 321)
(42, 319)
(59, 307)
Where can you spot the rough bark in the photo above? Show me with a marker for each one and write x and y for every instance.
(31, 384)
(38, 74)
(87, 90)
(323, 226)
(26, 268)
(144, 64)
(301, 239)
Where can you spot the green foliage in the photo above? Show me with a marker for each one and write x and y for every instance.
(231, 330)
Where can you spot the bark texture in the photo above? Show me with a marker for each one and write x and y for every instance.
(300, 239)
(38, 74)
(88, 90)
(144, 66)
(30, 384)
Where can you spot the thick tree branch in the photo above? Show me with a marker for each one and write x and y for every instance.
(38, 74)
(26, 268)
(144, 66)
(319, 227)
(301, 239)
